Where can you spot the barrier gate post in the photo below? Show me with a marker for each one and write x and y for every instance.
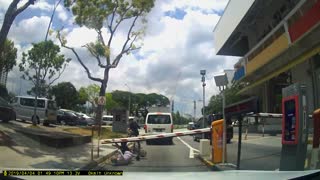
(217, 138)
(315, 143)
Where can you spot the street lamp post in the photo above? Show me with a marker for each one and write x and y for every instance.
(203, 79)
(222, 81)
(129, 98)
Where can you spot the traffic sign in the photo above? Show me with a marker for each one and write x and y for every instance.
(101, 100)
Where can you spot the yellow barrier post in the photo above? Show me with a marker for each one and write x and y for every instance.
(217, 145)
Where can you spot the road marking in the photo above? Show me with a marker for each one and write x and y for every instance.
(191, 153)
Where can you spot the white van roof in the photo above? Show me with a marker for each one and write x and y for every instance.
(159, 113)
(31, 97)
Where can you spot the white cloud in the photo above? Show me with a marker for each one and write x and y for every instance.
(42, 5)
(62, 13)
(202, 4)
(171, 47)
(30, 30)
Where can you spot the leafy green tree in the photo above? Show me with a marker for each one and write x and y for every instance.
(66, 95)
(92, 92)
(3, 91)
(95, 14)
(42, 65)
(110, 103)
(9, 17)
(231, 96)
(83, 96)
(8, 56)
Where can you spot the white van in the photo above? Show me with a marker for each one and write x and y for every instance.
(157, 123)
(46, 109)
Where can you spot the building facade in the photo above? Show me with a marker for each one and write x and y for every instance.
(279, 44)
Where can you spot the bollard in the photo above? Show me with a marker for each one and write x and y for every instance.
(316, 135)
(204, 147)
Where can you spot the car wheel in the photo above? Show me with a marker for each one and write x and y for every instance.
(228, 141)
(148, 142)
(45, 124)
(37, 119)
(63, 123)
(170, 142)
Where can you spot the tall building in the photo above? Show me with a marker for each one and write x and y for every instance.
(279, 44)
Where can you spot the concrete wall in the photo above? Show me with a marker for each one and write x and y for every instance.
(299, 74)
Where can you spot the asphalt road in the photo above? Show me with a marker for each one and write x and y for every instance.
(164, 158)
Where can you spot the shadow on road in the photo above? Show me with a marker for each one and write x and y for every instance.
(44, 156)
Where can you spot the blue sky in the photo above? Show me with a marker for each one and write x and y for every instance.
(178, 43)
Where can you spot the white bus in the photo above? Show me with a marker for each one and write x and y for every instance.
(46, 109)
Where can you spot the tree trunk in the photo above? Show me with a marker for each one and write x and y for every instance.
(102, 92)
(7, 22)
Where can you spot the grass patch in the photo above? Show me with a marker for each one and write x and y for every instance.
(106, 132)
(34, 127)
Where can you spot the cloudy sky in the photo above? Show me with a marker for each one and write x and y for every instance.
(179, 43)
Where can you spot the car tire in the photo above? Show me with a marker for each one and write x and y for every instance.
(38, 120)
(170, 141)
(228, 141)
(63, 122)
(45, 124)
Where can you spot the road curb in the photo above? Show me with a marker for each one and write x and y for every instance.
(96, 162)
(209, 164)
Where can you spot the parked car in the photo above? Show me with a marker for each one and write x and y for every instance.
(191, 126)
(7, 112)
(107, 120)
(67, 117)
(85, 119)
(198, 125)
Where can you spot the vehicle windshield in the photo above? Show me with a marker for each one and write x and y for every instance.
(187, 85)
(159, 119)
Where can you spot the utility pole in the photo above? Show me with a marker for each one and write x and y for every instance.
(194, 111)
(203, 79)
(129, 98)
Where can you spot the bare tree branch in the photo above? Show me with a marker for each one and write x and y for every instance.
(113, 15)
(122, 18)
(100, 36)
(124, 50)
(60, 73)
(52, 15)
(22, 8)
(79, 60)
(96, 56)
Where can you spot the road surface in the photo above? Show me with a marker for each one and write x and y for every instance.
(163, 158)
(258, 153)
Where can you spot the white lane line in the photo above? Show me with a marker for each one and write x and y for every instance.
(191, 154)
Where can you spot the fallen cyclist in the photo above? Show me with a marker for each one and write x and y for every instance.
(125, 155)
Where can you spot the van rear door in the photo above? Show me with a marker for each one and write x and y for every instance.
(159, 123)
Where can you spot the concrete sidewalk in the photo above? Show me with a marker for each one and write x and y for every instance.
(24, 152)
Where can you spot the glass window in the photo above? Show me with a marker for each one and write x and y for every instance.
(41, 103)
(159, 119)
(52, 105)
(26, 102)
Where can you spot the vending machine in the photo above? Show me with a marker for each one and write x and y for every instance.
(294, 128)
